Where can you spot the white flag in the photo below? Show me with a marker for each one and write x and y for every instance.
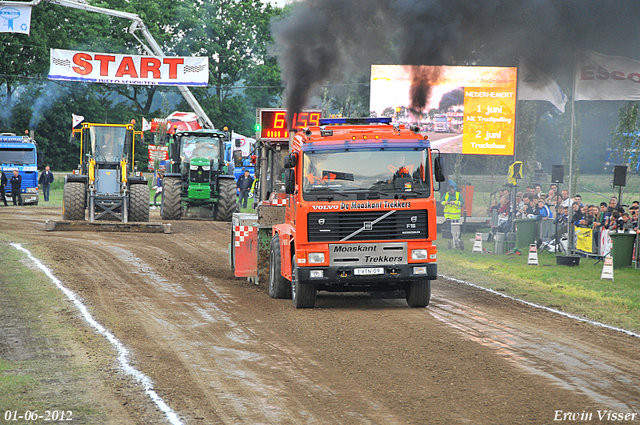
(534, 84)
(600, 77)
(15, 17)
(145, 124)
(77, 119)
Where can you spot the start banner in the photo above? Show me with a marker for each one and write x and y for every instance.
(108, 68)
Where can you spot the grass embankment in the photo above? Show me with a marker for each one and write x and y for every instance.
(39, 363)
(576, 290)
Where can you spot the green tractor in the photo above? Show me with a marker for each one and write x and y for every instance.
(106, 182)
(197, 182)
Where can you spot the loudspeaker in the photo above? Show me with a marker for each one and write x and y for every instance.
(620, 175)
(557, 173)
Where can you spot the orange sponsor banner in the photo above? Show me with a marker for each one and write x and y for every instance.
(489, 120)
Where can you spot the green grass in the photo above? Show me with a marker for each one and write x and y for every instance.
(44, 360)
(576, 290)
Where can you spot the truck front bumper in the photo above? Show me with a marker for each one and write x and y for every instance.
(27, 198)
(344, 278)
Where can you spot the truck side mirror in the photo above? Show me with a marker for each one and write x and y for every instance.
(237, 158)
(438, 169)
(289, 181)
(291, 160)
(238, 143)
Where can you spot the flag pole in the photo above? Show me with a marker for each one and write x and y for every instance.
(573, 112)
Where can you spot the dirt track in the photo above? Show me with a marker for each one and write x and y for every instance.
(219, 350)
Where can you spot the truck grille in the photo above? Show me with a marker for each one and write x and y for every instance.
(335, 226)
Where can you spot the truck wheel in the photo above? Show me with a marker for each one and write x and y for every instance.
(226, 199)
(419, 293)
(74, 201)
(139, 202)
(279, 287)
(171, 205)
(304, 296)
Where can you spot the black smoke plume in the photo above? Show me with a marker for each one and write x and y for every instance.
(323, 40)
(452, 98)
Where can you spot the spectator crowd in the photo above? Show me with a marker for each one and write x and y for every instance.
(552, 208)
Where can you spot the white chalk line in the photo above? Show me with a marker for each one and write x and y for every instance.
(123, 352)
(552, 310)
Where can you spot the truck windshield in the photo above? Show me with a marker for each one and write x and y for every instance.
(17, 156)
(379, 173)
(108, 143)
(200, 147)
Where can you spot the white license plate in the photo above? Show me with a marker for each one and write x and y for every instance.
(368, 271)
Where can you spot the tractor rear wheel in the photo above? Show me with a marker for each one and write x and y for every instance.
(171, 206)
(226, 199)
(139, 202)
(74, 201)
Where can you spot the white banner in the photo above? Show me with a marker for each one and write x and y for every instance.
(15, 17)
(108, 68)
(600, 77)
(534, 84)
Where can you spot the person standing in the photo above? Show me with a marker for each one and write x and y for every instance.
(16, 184)
(3, 183)
(244, 186)
(158, 188)
(452, 204)
(45, 180)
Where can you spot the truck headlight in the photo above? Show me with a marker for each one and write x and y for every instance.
(32, 190)
(193, 167)
(206, 168)
(419, 254)
(316, 257)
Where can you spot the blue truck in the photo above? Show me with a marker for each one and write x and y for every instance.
(246, 161)
(20, 153)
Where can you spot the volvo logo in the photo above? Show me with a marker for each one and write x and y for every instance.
(414, 218)
(321, 222)
(368, 225)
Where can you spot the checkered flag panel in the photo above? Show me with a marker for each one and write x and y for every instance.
(241, 233)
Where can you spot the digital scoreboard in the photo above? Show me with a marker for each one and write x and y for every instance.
(273, 123)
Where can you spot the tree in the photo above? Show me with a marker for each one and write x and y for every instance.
(235, 35)
(625, 137)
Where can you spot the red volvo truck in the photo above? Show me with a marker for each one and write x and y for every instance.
(360, 212)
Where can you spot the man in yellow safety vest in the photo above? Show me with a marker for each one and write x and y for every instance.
(452, 204)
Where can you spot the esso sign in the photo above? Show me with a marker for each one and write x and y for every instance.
(590, 72)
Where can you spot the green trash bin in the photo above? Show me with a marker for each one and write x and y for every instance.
(622, 250)
(526, 231)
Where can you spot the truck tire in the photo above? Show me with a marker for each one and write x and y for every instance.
(226, 199)
(304, 296)
(171, 205)
(419, 293)
(74, 201)
(139, 202)
(279, 287)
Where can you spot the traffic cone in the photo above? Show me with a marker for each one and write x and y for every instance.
(477, 244)
(607, 269)
(533, 255)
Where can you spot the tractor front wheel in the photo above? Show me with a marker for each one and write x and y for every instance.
(226, 200)
(74, 201)
(139, 202)
(171, 206)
